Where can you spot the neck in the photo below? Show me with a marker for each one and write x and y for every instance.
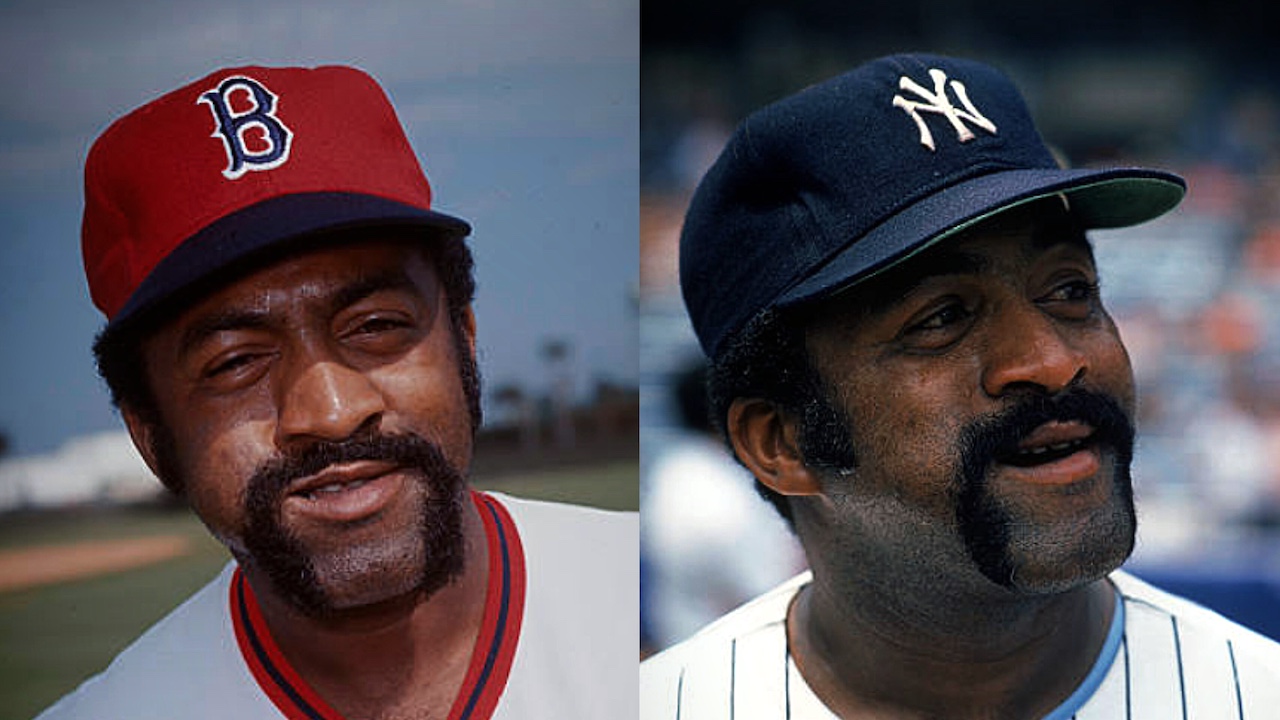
(405, 651)
(1020, 657)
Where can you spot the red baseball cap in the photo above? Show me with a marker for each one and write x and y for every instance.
(236, 162)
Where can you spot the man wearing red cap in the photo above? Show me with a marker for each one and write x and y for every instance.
(890, 275)
(291, 344)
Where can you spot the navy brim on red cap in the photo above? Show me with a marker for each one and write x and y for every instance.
(287, 219)
(1111, 198)
(239, 161)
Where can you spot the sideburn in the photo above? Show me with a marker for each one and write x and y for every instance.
(826, 440)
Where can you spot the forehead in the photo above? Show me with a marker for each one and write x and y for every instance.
(314, 270)
(1012, 239)
(298, 264)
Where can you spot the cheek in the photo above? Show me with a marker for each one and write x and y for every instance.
(904, 433)
(425, 395)
(1111, 367)
(216, 464)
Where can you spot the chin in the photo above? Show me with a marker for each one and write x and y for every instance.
(414, 549)
(362, 577)
(345, 576)
(1055, 581)
(1044, 547)
(1066, 558)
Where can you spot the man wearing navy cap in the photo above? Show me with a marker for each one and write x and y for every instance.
(291, 344)
(890, 275)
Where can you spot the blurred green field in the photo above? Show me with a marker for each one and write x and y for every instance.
(55, 636)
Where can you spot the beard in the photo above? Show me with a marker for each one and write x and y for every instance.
(1006, 548)
(321, 582)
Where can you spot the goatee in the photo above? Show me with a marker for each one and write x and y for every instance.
(289, 564)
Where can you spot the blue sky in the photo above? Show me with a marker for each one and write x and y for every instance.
(524, 115)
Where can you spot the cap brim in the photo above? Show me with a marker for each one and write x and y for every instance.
(248, 232)
(1110, 198)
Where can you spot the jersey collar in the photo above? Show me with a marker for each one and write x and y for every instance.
(491, 658)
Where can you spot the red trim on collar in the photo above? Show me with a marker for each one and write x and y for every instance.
(277, 678)
(491, 658)
(495, 648)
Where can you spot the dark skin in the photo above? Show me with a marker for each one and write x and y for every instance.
(898, 622)
(323, 345)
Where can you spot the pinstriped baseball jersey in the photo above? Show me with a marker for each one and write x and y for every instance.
(550, 646)
(1164, 659)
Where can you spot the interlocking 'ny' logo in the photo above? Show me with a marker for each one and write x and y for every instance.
(937, 102)
(271, 150)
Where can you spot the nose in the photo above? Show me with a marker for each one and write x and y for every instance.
(1030, 349)
(327, 400)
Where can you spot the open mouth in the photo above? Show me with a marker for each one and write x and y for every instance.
(340, 478)
(332, 489)
(1043, 454)
(347, 492)
(1049, 443)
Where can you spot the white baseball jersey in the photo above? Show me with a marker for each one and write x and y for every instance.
(1165, 658)
(558, 640)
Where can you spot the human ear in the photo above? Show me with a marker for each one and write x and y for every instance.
(765, 440)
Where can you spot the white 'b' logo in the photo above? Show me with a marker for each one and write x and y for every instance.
(937, 102)
(232, 126)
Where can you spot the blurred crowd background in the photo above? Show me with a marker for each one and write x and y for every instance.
(1194, 89)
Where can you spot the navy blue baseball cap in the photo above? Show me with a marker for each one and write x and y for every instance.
(836, 183)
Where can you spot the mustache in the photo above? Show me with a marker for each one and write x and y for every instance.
(984, 524)
(274, 476)
(985, 441)
(286, 560)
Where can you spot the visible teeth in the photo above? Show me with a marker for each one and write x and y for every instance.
(332, 488)
(1048, 449)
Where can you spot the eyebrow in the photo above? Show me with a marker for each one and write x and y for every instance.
(880, 292)
(233, 319)
(396, 280)
(220, 321)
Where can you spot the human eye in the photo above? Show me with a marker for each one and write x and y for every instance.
(229, 364)
(1076, 297)
(377, 324)
(380, 332)
(946, 316)
(937, 326)
(233, 369)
